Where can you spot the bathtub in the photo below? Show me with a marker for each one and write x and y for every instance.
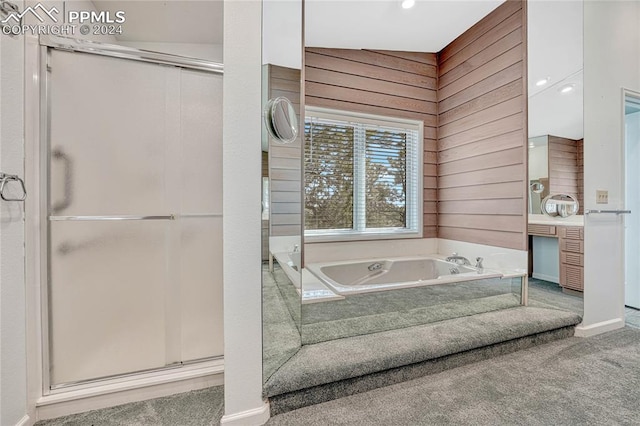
(360, 276)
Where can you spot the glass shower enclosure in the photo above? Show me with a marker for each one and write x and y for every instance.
(133, 215)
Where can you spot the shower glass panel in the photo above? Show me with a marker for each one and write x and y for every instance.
(135, 216)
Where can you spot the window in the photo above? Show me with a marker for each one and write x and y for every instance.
(362, 176)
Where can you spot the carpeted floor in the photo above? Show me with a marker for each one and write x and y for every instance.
(197, 408)
(548, 294)
(576, 381)
(280, 335)
(594, 381)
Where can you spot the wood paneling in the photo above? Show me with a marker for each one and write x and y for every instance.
(482, 134)
(386, 83)
(565, 175)
(580, 151)
(572, 257)
(285, 161)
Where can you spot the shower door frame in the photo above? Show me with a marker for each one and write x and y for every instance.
(40, 164)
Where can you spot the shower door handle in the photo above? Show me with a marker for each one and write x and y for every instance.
(58, 154)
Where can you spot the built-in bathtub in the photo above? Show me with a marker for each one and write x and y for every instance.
(361, 276)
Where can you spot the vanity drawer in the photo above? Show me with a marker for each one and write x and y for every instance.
(574, 246)
(572, 232)
(535, 229)
(573, 277)
(569, 258)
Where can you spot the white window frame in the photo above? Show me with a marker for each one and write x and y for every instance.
(414, 189)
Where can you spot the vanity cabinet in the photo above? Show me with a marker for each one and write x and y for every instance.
(571, 252)
(572, 257)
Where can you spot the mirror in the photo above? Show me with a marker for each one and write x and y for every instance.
(280, 120)
(559, 205)
(537, 187)
(282, 246)
(555, 167)
(389, 116)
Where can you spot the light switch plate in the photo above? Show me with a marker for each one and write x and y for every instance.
(602, 197)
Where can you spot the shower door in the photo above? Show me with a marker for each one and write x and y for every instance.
(134, 216)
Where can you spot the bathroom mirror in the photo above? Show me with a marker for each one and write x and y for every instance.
(555, 154)
(559, 205)
(281, 120)
(537, 187)
(555, 166)
(371, 166)
(282, 246)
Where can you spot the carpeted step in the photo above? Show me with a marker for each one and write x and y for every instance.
(337, 368)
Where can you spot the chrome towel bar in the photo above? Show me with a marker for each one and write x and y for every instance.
(126, 217)
(60, 218)
(608, 211)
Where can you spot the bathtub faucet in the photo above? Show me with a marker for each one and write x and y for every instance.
(460, 260)
(374, 266)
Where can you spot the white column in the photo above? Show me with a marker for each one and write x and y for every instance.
(611, 62)
(242, 219)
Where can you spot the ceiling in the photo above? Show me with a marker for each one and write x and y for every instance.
(427, 27)
(554, 44)
(554, 38)
(172, 21)
(555, 52)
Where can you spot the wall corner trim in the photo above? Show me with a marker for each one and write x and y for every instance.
(254, 417)
(599, 327)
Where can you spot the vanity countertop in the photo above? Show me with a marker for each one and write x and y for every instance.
(541, 219)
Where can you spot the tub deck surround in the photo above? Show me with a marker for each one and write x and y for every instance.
(352, 277)
(317, 287)
(337, 368)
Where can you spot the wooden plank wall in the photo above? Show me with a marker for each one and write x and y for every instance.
(285, 161)
(388, 83)
(482, 132)
(580, 144)
(564, 167)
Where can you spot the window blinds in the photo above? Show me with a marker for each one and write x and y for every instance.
(361, 176)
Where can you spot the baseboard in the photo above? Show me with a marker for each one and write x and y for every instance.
(25, 421)
(98, 397)
(545, 277)
(599, 328)
(254, 417)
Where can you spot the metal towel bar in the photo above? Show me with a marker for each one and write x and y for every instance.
(608, 211)
(60, 218)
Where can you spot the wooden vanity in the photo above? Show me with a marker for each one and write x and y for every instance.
(571, 252)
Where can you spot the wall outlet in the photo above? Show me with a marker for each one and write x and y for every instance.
(602, 197)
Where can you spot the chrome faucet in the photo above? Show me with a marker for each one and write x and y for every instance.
(479, 262)
(460, 260)
(374, 266)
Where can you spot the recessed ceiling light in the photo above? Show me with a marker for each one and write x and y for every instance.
(542, 81)
(408, 4)
(567, 88)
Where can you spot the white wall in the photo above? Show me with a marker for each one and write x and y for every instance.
(538, 162)
(546, 262)
(13, 370)
(611, 62)
(242, 218)
(282, 33)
